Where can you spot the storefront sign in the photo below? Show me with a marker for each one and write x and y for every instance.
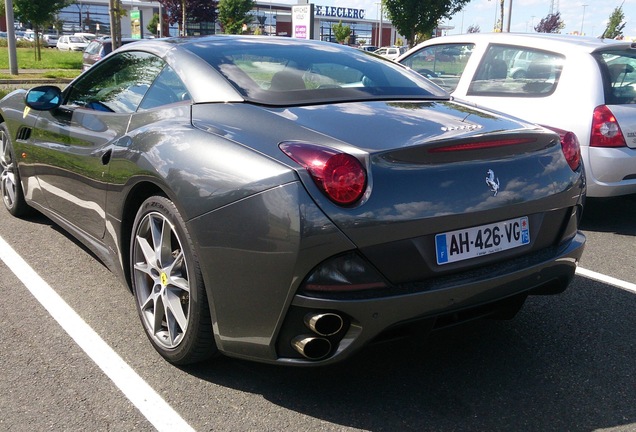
(135, 23)
(303, 21)
(339, 12)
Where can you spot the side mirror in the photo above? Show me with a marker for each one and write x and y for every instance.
(44, 98)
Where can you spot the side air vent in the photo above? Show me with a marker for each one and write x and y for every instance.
(23, 134)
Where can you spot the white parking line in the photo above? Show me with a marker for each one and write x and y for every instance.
(147, 401)
(627, 286)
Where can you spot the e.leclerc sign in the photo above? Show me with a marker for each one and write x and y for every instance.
(339, 12)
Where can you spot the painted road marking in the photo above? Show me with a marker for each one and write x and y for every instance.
(628, 286)
(147, 401)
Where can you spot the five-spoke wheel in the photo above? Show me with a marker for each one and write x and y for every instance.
(10, 187)
(167, 283)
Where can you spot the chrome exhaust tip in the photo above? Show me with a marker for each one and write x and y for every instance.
(312, 348)
(324, 324)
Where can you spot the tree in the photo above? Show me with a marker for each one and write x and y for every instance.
(39, 13)
(234, 15)
(153, 26)
(552, 23)
(473, 28)
(195, 11)
(616, 24)
(341, 32)
(413, 17)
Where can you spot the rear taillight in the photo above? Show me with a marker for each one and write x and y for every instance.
(605, 129)
(340, 176)
(570, 147)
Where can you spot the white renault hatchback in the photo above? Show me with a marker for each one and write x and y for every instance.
(578, 84)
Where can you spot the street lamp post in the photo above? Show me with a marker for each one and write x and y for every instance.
(379, 4)
(381, 25)
(11, 45)
(583, 19)
(509, 16)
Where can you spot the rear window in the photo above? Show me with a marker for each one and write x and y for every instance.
(443, 64)
(516, 72)
(281, 72)
(619, 76)
(93, 47)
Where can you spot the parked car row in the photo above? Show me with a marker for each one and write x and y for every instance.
(578, 84)
(48, 40)
(75, 42)
(390, 52)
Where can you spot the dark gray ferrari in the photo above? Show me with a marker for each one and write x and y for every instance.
(291, 201)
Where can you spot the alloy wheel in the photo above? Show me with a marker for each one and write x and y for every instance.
(162, 285)
(7, 175)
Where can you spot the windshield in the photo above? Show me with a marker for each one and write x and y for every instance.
(282, 71)
(620, 76)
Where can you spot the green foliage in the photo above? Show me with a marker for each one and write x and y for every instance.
(416, 17)
(552, 23)
(152, 25)
(51, 59)
(616, 24)
(234, 15)
(341, 32)
(39, 13)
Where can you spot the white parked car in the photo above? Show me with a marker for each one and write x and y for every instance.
(71, 43)
(578, 84)
(390, 52)
(88, 36)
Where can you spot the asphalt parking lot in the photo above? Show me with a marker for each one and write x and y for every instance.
(565, 363)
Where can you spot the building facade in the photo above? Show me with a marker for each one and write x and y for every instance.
(91, 16)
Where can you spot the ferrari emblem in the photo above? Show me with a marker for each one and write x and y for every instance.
(492, 182)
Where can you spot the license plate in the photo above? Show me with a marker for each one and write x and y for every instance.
(482, 240)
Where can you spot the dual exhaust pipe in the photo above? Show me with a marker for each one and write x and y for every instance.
(323, 325)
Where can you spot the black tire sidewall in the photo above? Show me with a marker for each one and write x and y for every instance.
(20, 207)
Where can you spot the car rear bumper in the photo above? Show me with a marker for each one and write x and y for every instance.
(473, 296)
(609, 171)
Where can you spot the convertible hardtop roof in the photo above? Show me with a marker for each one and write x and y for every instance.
(162, 45)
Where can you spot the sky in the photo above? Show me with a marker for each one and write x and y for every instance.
(590, 16)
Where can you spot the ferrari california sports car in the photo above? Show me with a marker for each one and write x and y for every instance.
(292, 201)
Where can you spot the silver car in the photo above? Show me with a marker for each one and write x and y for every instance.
(71, 43)
(50, 40)
(291, 201)
(579, 84)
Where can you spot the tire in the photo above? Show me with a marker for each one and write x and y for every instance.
(168, 286)
(10, 185)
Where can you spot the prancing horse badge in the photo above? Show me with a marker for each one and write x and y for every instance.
(492, 182)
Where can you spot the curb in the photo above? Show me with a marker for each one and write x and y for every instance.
(36, 81)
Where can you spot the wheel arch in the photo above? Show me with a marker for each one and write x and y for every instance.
(137, 195)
